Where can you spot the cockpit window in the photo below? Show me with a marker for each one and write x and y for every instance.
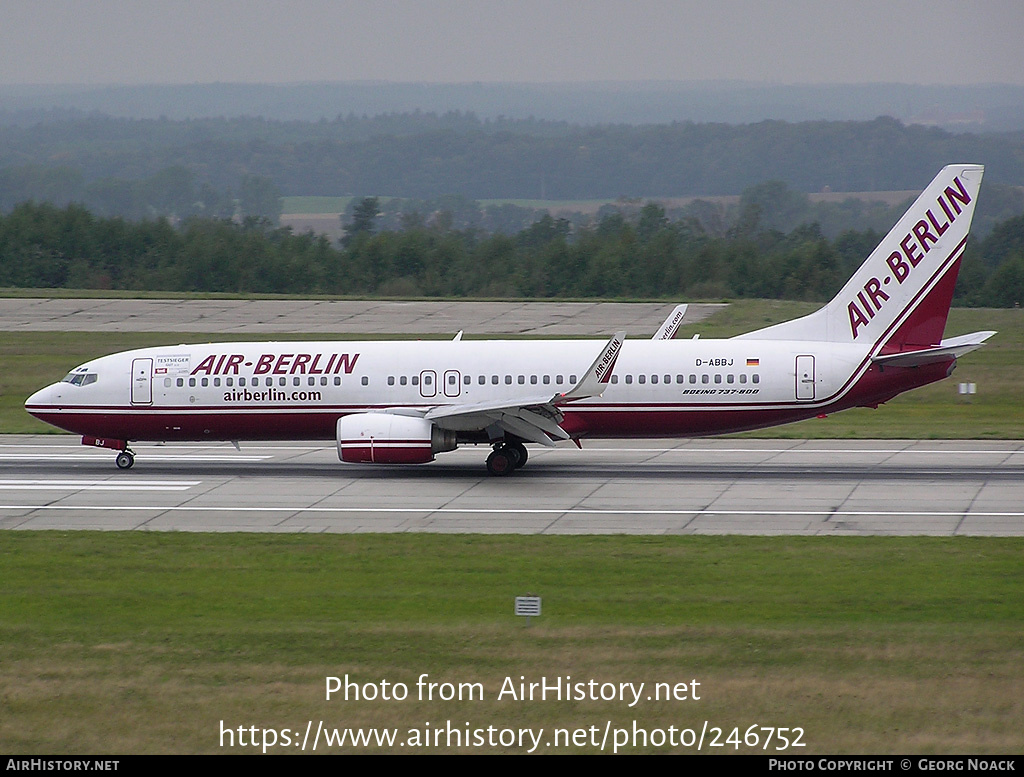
(80, 378)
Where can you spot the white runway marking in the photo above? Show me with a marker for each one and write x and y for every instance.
(238, 459)
(829, 451)
(207, 446)
(97, 485)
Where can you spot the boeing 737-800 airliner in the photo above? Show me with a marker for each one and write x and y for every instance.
(403, 402)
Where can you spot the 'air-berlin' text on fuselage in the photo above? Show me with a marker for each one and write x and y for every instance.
(278, 364)
(915, 244)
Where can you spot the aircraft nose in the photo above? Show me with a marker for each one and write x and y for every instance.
(45, 396)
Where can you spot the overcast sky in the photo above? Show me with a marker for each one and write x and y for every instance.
(273, 41)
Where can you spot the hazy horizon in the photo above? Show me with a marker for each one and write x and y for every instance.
(790, 42)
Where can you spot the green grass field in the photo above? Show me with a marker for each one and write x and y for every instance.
(311, 205)
(127, 643)
(32, 359)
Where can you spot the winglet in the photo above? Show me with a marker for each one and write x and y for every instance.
(596, 378)
(672, 323)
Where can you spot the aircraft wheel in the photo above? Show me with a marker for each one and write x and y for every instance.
(500, 462)
(125, 460)
(519, 454)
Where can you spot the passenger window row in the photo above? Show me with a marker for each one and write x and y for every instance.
(295, 381)
(691, 378)
(452, 378)
(482, 380)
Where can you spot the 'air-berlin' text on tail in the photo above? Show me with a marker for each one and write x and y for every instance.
(900, 297)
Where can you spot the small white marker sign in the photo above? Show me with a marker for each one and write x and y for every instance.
(528, 606)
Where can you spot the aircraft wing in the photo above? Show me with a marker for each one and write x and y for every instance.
(534, 418)
(954, 347)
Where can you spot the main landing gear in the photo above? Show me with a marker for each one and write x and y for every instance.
(125, 459)
(506, 458)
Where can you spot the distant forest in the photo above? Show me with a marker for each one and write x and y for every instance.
(642, 254)
(420, 155)
(193, 205)
(979, 107)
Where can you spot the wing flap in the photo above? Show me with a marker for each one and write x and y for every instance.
(523, 428)
(544, 423)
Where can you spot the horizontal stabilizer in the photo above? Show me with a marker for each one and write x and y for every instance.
(952, 348)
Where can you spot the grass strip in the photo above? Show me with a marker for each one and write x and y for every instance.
(142, 642)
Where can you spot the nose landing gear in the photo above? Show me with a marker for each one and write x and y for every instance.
(125, 457)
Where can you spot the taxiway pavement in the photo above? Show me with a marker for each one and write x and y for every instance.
(225, 316)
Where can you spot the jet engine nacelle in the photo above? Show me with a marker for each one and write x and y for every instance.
(382, 438)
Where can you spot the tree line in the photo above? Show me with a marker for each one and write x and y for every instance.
(637, 254)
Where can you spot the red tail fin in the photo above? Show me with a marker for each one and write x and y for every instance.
(923, 328)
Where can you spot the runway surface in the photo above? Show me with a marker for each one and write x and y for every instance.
(720, 486)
